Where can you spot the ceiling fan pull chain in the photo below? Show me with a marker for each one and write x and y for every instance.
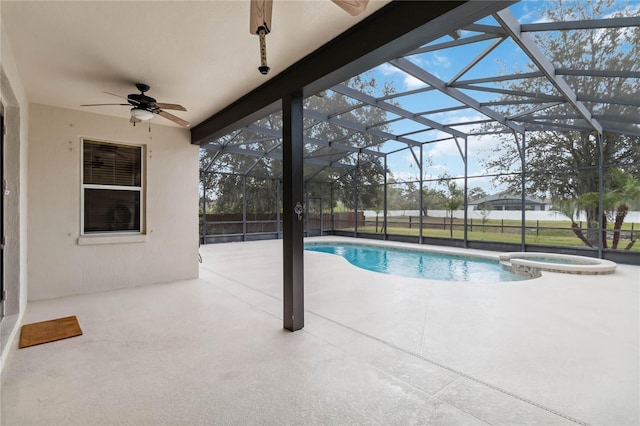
(149, 126)
(263, 68)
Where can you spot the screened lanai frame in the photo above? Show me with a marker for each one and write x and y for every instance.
(561, 108)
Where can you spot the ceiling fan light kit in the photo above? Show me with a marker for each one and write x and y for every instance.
(141, 114)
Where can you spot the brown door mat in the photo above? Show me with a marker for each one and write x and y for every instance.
(49, 331)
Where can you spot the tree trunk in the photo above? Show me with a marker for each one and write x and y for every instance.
(621, 213)
(592, 227)
(451, 225)
(604, 231)
(631, 243)
(578, 231)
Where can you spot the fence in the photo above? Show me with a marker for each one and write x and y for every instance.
(556, 233)
(233, 226)
(492, 234)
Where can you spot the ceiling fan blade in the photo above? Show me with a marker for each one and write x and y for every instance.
(173, 118)
(175, 107)
(260, 16)
(352, 7)
(113, 94)
(104, 104)
(123, 97)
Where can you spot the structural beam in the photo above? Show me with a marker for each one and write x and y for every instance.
(494, 79)
(543, 97)
(360, 128)
(511, 25)
(453, 43)
(477, 59)
(273, 155)
(599, 73)
(425, 76)
(389, 107)
(292, 206)
(586, 24)
(311, 140)
(534, 110)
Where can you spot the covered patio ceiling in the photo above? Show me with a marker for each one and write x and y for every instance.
(471, 100)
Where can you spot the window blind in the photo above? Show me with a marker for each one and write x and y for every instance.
(110, 164)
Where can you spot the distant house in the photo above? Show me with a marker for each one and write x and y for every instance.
(509, 201)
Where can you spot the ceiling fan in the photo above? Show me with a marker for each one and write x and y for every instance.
(260, 22)
(144, 107)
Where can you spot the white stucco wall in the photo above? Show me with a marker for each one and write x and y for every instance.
(16, 116)
(58, 265)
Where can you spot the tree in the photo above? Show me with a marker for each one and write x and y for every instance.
(403, 195)
(565, 164)
(431, 199)
(367, 180)
(224, 186)
(225, 190)
(453, 197)
(485, 210)
(476, 193)
(623, 189)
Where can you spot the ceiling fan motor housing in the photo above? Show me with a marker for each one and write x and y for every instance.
(142, 101)
(143, 87)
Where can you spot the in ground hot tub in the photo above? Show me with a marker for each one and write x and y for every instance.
(531, 263)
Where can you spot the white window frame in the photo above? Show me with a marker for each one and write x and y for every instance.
(113, 236)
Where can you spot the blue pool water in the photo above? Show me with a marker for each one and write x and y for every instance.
(417, 264)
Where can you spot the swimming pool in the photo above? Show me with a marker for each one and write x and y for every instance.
(418, 263)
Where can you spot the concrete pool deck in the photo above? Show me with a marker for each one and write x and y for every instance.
(559, 349)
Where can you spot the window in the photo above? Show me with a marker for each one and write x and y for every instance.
(112, 188)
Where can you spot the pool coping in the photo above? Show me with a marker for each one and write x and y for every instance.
(405, 246)
(517, 261)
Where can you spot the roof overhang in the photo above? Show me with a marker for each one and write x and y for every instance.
(393, 30)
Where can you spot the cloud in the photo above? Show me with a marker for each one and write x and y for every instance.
(446, 148)
(484, 182)
(404, 176)
(387, 69)
(441, 167)
(410, 82)
(440, 60)
(542, 20)
(482, 146)
(434, 153)
(409, 159)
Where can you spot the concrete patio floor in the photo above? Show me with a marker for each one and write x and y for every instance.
(375, 349)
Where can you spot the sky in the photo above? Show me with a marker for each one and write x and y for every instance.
(441, 157)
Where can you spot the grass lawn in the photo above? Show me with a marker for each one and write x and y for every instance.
(557, 237)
